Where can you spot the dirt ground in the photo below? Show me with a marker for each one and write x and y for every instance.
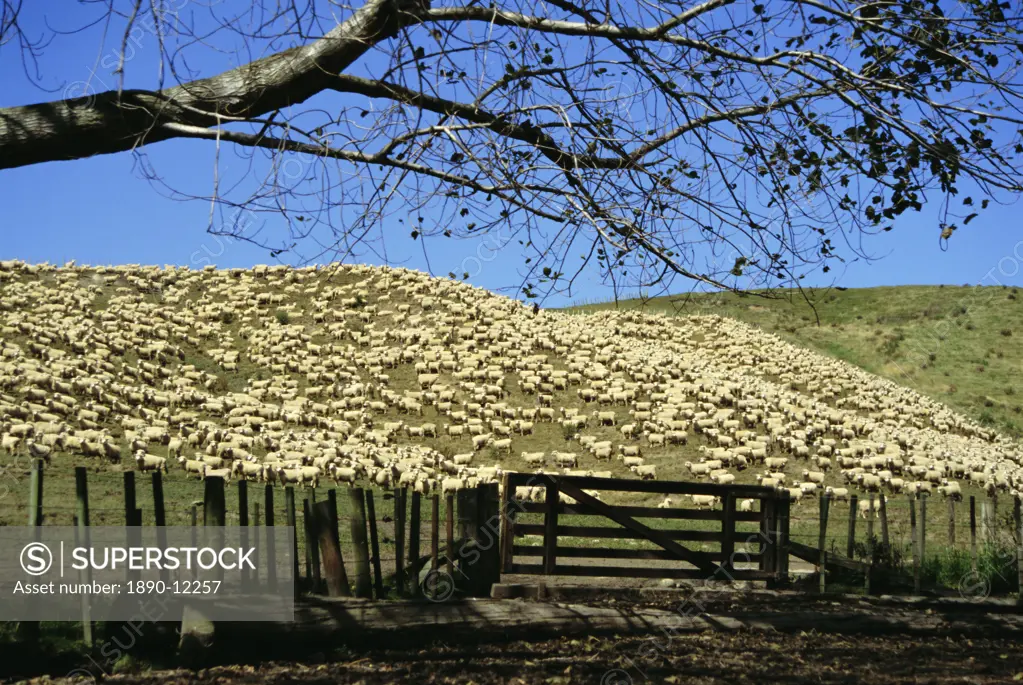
(821, 641)
(714, 658)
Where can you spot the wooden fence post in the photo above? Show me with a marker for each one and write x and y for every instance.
(973, 533)
(289, 513)
(884, 520)
(399, 541)
(323, 523)
(378, 580)
(257, 542)
(782, 510)
(550, 529)
(870, 544)
(413, 545)
(727, 531)
(450, 532)
(822, 542)
(850, 542)
(312, 544)
(132, 519)
(1017, 521)
(363, 583)
(83, 538)
(195, 541)
(215, 514)
(435, 533)
(271, 543)
(507, 524)
(985, 522)
(923, 528)
(914, 544)
(951, 522)
(243, 523)
(29, 630)
(488, 539)
(160, 519)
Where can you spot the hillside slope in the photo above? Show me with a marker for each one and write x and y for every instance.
(385, 376)
(962, 346)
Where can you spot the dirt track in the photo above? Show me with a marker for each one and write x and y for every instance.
(961, 646)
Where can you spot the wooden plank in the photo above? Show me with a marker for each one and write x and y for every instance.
(631, 572)
(813, 555)
(323, 523)
(363, 581)
(640, 512)
(782, 509)
(550, 530)
(923, 527)
(509, 506)
(83, 539)
(870, 543)
(413, 544)
(606, 553)
(663, 487)
(488, 539)
(257, 543)
(656, 536)
(522, 529)
(374, 542)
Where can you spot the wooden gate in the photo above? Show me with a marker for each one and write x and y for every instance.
(754, 554)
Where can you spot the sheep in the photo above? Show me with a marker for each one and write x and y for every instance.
(863, 508)
(193, 466)
(566, 459)
(666, 503)
(723, 478)
(533, 458)
(952, 490)
(645, 471)
(746, 505)
(150, 462)
(704, 501)
(38, 450)
(813, 476)
(219, 473)
(837, 494)
(503, 444)
(247, 470)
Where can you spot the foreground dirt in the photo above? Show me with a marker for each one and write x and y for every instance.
(749, 657)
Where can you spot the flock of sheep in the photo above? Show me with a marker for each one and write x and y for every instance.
(366, 375)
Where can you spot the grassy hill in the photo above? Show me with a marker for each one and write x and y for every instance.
(352, 364)
(960, 345)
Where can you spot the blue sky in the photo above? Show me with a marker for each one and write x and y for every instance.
(102, 210)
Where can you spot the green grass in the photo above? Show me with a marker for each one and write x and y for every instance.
(958, 345)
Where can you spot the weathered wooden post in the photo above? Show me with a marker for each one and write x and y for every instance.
(29, 630)
(363, 583)
(160, 519)
(289, 512)
(83, 539)
(951, 522)
(215, 514)
(1017, 521)
(450, 531)
(850, 543)
(413, 545)
(435, 533)
(884, 519)
(378, 579)
(727, 531)
(923, 528)
(870, 545)
(822, 552)
(914, 545)
(550, 528)
(243, 523)
(973, 533)
(312, 544)
(323, 523)
(132, 519)
(399, 541)
(271, 543)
